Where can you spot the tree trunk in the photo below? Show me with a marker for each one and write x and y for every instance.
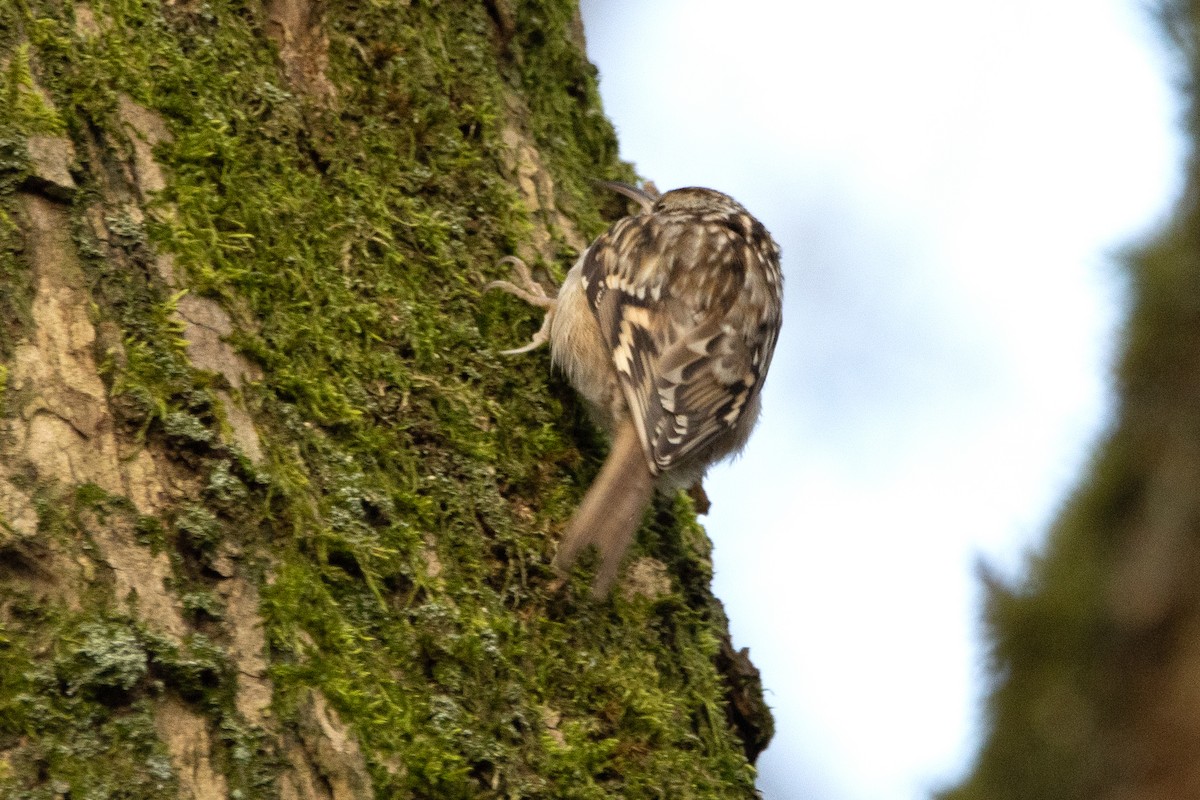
(275, 518)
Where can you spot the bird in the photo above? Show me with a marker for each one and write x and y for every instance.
(665, 326)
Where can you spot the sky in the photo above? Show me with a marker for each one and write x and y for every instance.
(952, 183)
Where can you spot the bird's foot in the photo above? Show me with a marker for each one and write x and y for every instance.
(531, 292)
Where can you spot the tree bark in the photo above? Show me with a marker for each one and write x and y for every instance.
(275, 518)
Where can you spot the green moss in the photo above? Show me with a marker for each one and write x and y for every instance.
(25, 109)
(74, 723)
(149, 532)
(81, 679)
(351, 242)
(225, 490)
(201, 606)
(108, 658)
(16, 284)
(199, 528)
(24, 112)
(561, 88)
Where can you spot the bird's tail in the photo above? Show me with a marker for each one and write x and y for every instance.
(611, 511)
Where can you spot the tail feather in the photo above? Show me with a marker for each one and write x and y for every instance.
(611, 511)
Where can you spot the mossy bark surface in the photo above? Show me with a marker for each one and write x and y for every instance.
(275, 518)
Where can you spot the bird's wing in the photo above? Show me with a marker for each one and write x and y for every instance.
(685, 305)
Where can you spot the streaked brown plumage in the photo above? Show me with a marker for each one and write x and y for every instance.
(666, 326)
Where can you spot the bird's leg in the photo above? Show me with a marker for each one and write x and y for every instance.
(531, 292)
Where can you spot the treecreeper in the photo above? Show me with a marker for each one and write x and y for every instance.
(665, 325)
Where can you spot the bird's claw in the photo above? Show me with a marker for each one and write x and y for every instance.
(531, 292)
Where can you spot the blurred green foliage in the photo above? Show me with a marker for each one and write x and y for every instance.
(1084, 647)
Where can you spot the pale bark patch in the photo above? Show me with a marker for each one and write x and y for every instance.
(18, 517)
(144, 484)
(646, 577)
(552, 719)
(206, 323)
(185, 734)
(139, 576)
(524, 166)
(241, 428)
(146, 131)
(50, 160)
(327, 764)
(298, 30)
(247, 645)
(63, 425)
(86, 24)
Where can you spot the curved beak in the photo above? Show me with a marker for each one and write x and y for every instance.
(642, 197)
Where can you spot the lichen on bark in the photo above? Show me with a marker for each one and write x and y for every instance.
(275, 519)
